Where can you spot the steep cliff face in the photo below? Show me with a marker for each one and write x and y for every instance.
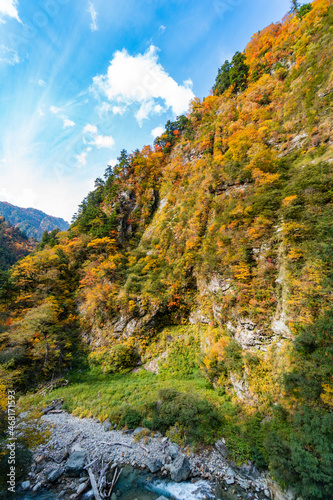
(240, 234)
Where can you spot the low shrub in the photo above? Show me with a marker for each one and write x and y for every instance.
(116, 359)
(131, 418)
(194, 418)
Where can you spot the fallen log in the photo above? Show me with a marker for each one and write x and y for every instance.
(116, 444)
(114, 482)
(94, 484)
(55, 405)
(91, 463)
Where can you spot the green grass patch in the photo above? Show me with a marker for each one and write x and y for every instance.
(179, 401)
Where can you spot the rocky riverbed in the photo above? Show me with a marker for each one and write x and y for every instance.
(60, 465)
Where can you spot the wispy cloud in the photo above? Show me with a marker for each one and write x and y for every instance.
(8, 8)
(142, 80)
(103, 141)
(118, 110)
(93, 13)
(8, 56)
(67, 123)
(82, 157)
(98, 140)
(55, 110)
(90, 129)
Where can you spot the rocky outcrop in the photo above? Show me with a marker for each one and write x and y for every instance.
(247, 334)
(153, 365)
(211, 288)
(241, 388)
(180, 469)
(75, 463)
(154, 464)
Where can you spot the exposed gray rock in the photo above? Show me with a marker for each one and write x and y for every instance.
(76, 447)
(107, 425)
(132, 326)
(180, 469)
(222, 448)
(153, 365)
(162, 498)
(39, 462)
(82, 488)
(246, 333)
(154, 464)
(138, 430)
(54, 474)
(25, 485)
(241, 387)
(197, 316)
(250, 470)
(88, 495)
(75, 463)
(214, 284)
(37, 486)
(121, 323)
(173, 450)
(230, 476)
(230, 480)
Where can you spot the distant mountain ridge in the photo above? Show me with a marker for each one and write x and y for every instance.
(13, 245)
(30, 220)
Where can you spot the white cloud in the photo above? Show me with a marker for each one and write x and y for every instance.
(113, 162)
(7, 55)
(118, 110)
(103, 141)
(144, 111)
(82, 158)
(8, 8)
(156, 132)
(55, 110)
(27, 197)
(162, 28)
(68, 123)
(100, 141)
(41, 83)
(93, 13)
(103, 109)
(158, 109)
(90, 129)
(141, 80)
(188, 83)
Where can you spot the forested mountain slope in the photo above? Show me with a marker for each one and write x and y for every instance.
(30, 220)
(13, 245)
(208, 257)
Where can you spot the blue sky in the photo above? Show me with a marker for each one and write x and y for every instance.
(80, 80)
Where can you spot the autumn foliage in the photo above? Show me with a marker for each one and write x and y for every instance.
(239, 191)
